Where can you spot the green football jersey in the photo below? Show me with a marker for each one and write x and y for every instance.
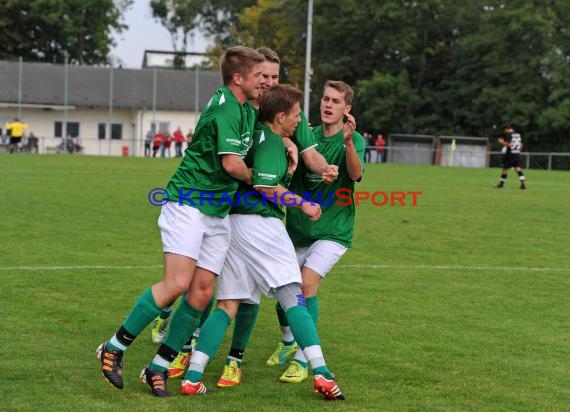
(337, 218)
(268, 160)
(225, 127)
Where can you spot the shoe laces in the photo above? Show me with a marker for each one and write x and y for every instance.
(114, 356)
(231, 370)
(294, 367)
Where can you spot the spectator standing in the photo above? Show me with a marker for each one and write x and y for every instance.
(148, 143)
(32, 143)
(380, 143)
(157, 143)
(368, 141)
(166, 143)
(178, 140)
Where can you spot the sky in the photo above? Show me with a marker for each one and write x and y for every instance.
(144, 33)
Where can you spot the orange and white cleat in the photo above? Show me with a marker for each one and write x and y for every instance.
(328, 388)
(190, 388)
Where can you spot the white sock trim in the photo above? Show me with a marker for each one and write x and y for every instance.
(300, 356)
(115, 342)
(314, 355)
(160, 361)
(286, 334)
(198, 362)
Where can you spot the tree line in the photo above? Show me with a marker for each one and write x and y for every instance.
(442, 67)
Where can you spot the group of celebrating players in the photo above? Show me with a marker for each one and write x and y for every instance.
(251, 137)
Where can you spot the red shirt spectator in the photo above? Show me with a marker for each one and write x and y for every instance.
(379, 143)
(178, 136)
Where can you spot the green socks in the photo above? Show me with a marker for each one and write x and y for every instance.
(211, 336)
(244, 323)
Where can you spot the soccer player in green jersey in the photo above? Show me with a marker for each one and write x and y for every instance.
(194, 224)
(319, 245)
(303, 141)
(259, 244)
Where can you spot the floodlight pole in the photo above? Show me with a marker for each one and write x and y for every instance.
(154, 101)
(308, 70)
(196, 95)
(65, 98)
(108, 132)
(20, 89)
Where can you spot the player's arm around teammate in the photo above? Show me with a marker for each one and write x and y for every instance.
(195, 234)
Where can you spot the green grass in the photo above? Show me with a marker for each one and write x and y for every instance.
(459, 303)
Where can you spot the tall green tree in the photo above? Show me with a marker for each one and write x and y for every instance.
(431, 66)
(278, 25)
(179, 17)
(45, 30)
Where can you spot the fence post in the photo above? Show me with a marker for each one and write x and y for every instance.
(527, 154)
(549, 161)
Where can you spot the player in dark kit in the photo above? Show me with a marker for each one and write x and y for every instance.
(512, 146)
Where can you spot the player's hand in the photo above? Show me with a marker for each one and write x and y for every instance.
(349, 128)
(292, 156)
(330, 174)
(313, 211)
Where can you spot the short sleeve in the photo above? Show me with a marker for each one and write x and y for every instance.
(227, 124)
(303, 136)
(267, 167)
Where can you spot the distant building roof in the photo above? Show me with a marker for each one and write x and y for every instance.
(165, 59)
(89, 86)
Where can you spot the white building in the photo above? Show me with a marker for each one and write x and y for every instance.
(109, 109)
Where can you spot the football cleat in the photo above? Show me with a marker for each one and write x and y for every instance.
(159, 329)
(178, 366)
(231, 375)
(190, 388)
(328, 388)
(111, 365)
(282, 354)
(295, 373)
(156, 381)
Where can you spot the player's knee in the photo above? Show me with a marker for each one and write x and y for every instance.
(309, 289)
(200, 297)
(177, 286)
(290, 295)
(229, 306)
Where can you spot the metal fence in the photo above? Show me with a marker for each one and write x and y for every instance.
(422, 155)
(417, 155)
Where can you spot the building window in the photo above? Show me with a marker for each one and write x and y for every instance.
(101, 131)
(116, 131)
(162, 127)
(72, 129)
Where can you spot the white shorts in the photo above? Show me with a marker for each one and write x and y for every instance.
(188, 232)
(321, 256)
(261, 258)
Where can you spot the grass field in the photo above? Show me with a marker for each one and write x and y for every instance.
(458, 304)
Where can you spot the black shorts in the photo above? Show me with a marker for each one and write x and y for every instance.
(15, 140)
(512, 160)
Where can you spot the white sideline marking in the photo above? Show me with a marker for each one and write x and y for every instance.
(457, 267)
(81, 267)
(363, 266)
